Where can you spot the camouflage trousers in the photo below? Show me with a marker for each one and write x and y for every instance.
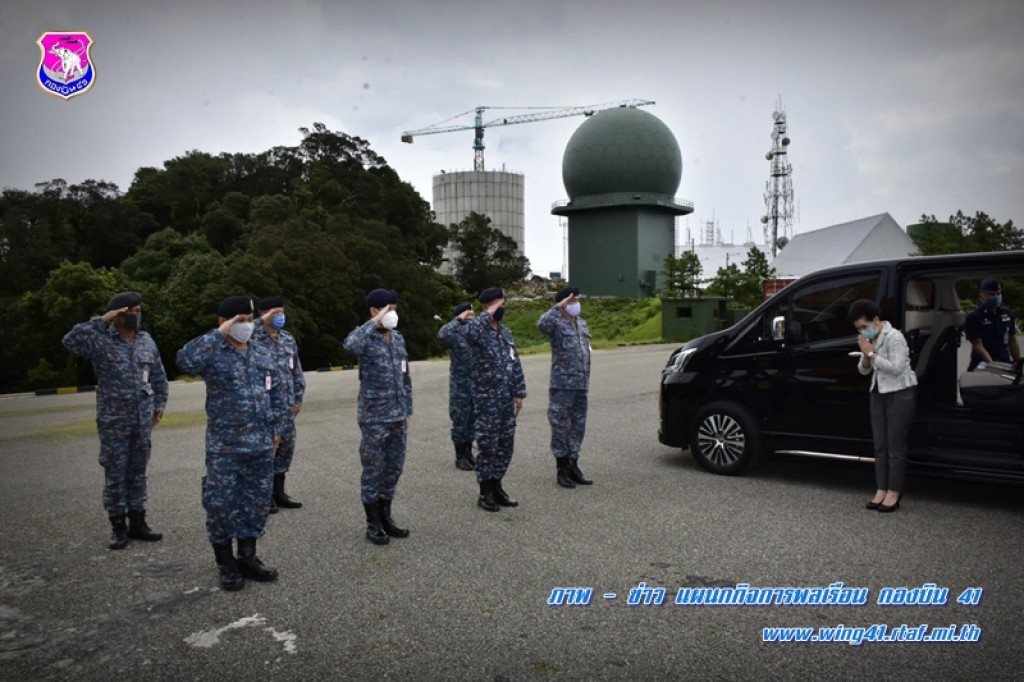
(124, 455)
(286, 449)
(496, 436)
(382, 453)
(460, 410)
(567, 414)
(236, 494)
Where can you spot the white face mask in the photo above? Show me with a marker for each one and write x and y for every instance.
(390, 320)
(241, 331)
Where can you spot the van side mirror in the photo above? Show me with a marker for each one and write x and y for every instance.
(779, 328)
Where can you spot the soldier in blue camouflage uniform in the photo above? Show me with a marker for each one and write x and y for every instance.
(384, 408)
(570, 383)
(460, 385)
(499, 388)
(245, 407)
(130, 401)
(270, 333)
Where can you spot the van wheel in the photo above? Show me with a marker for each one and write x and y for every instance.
(724, 438)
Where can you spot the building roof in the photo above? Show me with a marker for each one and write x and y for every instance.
(866, 239)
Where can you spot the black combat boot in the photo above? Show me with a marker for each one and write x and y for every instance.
(487, 501)
(564, 477)
(249, 564)
(273, 503)
(281, 497)
(138, 529)
(469, 455)
(464, 456)
(230, 579)
(374, 529)
(119, 537)
(387, 523)
(500, 496)
(575, 474)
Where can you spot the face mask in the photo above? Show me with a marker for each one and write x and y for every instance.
(573, 309)
(499, 313)
(993, 301)
(277, 321)
(390, 320)
(241, 331)
(132, 321)
(870, 333)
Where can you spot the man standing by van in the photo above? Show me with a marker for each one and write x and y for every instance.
(991, 329)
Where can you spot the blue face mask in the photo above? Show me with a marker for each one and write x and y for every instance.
(870, 333)
(993, 301)
(277, 321)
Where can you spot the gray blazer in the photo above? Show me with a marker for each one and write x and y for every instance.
(890, 367)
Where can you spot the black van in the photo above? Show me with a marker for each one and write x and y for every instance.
(782, 380)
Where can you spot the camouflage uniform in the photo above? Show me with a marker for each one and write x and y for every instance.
(385, 403)
(570, 380)
(460, 380)
(245, 405)
(286, 352)
(497, 381)
(132, 386)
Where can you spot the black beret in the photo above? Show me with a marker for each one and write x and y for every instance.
(126, 299)
(269, 303)
(492, 294)
(990, 284)
(378, 298)
(461, 308)
(235, 305)
(566, 293)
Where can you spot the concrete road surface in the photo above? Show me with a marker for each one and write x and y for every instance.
(466, 596)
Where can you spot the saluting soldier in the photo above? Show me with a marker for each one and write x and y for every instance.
(245, 407)
(460, 384)
(383, 411)
(130, 399)
(499, 388)
(570, 383)
(270, 332)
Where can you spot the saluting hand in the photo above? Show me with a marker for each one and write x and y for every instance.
(111, 314)
(225, 326)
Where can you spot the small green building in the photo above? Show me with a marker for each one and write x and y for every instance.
(621, 170)
(685, 318)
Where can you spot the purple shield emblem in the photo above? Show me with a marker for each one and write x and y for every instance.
(65, 67)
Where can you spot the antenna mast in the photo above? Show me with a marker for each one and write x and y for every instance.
(778, 190)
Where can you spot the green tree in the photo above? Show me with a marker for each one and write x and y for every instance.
(750, 290)
(484, 256)
(682, 275)
(726, 282)
(967, 234)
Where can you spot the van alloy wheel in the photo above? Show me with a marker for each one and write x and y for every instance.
(724, 438)
(721, 439)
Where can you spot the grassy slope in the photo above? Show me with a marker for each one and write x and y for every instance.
(611, 320)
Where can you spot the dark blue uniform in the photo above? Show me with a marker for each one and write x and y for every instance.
(570, 380)
(286, 352)
(460, 380)
(994, 327)
(132, 385)
(497, 381)
(385, 403)
(245, 407)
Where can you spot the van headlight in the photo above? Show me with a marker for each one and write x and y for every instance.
(678, 361)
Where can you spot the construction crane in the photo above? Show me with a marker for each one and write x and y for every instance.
(543, 114)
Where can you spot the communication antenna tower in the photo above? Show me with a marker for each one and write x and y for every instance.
(778, 190)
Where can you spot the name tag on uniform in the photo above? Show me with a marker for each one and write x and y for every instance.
(266, 383)
(145, 375)
(405, 367)
(512, 353)
(291, 362)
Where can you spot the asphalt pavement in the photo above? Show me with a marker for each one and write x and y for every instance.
(466, 596)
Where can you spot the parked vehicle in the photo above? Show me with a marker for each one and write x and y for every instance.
(782, 380)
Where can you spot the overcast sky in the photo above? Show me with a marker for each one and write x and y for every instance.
(905, 106)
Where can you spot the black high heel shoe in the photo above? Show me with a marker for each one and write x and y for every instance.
(872, 505)
(886, 508)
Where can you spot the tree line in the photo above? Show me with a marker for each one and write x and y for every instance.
(319, 224)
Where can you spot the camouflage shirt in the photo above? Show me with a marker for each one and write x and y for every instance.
(131, 380)
(460, 375)
(570, 349)
(496, 367)
(286, 352)
(385, 388)
(245, 401)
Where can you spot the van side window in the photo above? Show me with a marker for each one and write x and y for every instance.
(818, 312)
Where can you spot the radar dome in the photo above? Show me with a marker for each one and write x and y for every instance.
(622, 150)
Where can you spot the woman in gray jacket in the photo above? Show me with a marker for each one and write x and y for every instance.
(886, 357)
